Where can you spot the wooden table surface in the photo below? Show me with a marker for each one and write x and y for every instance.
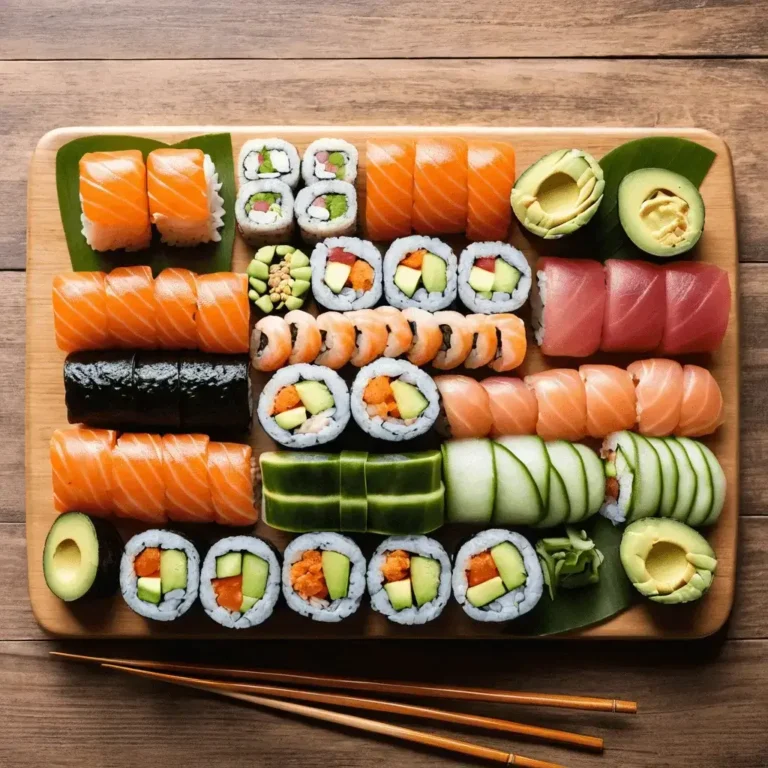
(609, 62)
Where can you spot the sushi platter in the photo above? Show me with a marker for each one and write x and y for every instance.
(256, 309)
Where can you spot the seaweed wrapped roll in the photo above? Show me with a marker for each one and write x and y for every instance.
(329, 159)
(264, 212)
(493, 277)
(326, 209)
(346, 273)
(262, 159)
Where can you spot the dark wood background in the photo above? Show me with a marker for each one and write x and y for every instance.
(608, 62)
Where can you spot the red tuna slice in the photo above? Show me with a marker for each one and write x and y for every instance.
(321, 157)
(339, 254)
(260, 205)
(697, 309)
(319, 202)
(573, 309)
(488, 263)
(634, 306)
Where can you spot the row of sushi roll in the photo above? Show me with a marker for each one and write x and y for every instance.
(658, 396)
(128, 308)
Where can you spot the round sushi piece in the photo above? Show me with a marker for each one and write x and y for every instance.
(399, 333)
(371, 336)
(328, 160)
(264, 212)
(497, 576)
(420, 272)
(337, 340)
(160, 574)
(270, 344)
(240, 582)
(466, 409)
(262, 159)
(409, 579)
(326, 209)
(456, 334)
(485, 343)
(323, 576)
(346, 273)
(304, 405)
(493, 277)
(394, 400)
(305, 337)
(427, 335)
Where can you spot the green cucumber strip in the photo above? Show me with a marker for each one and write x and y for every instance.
(702, 502)
(470, 480)
(669, 476)
(625, 441)
(517, 497)
(558, 505)
(567, 461)
(407, 515)
(403, 473)
(686, 481)
(595, 472)
(285, 472)
(299, 514)
(719, 485)
(354, 496)
(533, 453)
(646, 491)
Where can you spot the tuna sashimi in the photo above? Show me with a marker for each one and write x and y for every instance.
(185, 471)
(513, 405)
(659, 392)
(466, 405)
(697, 309)
(223, 313)
(389, 188)
(611, 402)
(440, 186)
(562, 402)
(634, 306)
(131, 307)
(139, 491)
(230, 474)
(701, 412)
(569, 306)
(176, 297)
(80, 311)
(490, 176)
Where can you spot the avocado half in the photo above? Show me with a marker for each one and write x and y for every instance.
(559, 193)
(662, 212)
(667, 561)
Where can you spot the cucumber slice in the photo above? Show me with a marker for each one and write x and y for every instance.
(646, 490)
(669, 476)
(533, 453)
(287, 472)
(625, 441)
(718, 484)
(407, 515)
(557, 504)
(404, 473)
(595, 471)
(470, 480)
(567, 461)
(517, 497)
(702, 502)
(299, 514)
(686, 481)
(354, 499)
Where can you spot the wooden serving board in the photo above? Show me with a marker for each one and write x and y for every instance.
(47, 256)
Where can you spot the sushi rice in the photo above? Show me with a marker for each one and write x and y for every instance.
(500, 301)
(315, 221)
(282, 155)
(274, 225)
(348, 299)
(313, 171)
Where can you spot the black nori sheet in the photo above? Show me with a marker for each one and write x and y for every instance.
(157, 390)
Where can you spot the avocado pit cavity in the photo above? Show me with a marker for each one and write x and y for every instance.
(666, 217)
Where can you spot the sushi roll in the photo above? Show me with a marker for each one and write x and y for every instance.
(420, 272)
(497, 576)
(328, 160)
(409, 579)
(399, 333)
(271, 344)
(346, 273)
(264, 212)
(304, 405)
(262, 159)
(184, 200)
(279, 277)
(240, 582)
(371, 336)
(323, 576)
(511, 344)
(394, 400)
(326, 209)
(337, 340)
(484, 341)
(456, 334)
(305, 337)
(427, 335)
(493, 277)
(159, 574)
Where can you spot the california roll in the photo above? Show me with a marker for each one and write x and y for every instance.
(326, 209)
(493, 277)
(346, 273)
(262, 159)
(329, 159)
(264, 211)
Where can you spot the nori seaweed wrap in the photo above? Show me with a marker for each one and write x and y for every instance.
(157, 389)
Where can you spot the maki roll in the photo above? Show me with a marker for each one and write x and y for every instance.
(420, 272)
(160, 574)
(304, 405)
(497, 576)
(337, 340)
(409, 579)
(493, 277)
(271, 344)
(264, 211)
(394, 400)
(240, 582)
(279, 278)
(326, 209)
(323, 576)
(329, 159)
(262, 159)
(346, 273)
(371, 336)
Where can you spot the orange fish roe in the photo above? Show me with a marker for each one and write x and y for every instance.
(481, 568)
(378, 390)
(307, 576)
(361, 276)
(414, 260)
(229, 592)
(147, 563)
(611, 487)
(397, 566)
(287, 398)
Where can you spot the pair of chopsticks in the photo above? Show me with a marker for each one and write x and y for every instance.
(255, 693)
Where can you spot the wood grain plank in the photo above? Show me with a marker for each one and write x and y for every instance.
(728, 97)
(58, 29)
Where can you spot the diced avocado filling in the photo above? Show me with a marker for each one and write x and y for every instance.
(336, 274)
(229, 565)
(494, 573)
(302, 406)
(410, 578)
(282, 283)
(407, 279)
(149, 589)
(399, 593)
(255, 573)
(410, 402)
(505, 277)
(173, 570)
(481, 280)
(434, 273)
(336, 573)
(482, 594)
(315, 396)
(509, 563)
(336, 204)
(292, 418)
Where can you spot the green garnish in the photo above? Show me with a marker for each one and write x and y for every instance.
(263, 197)
(337, 159)
(266, 166)
(336, 205)
(569, 562)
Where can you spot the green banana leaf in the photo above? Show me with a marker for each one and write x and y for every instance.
(210, 257)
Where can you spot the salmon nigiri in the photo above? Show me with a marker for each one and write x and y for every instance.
(659, 391)
(562, 402)
(400, 335)
(176, 298)
(131, 307)
(337, 340)
(511, 342)
(230, 474)
(388, 188)
(490, 177)
(513, 406)
(80, 311)
(223, 312)
(466, 407)
(139, 491)
(370, 336)
(185, 472)
(440, 186)
(271, 341)
(701, 411)
(611, 401)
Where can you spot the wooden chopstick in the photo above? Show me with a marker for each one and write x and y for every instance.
(589, 703)
(351, 721)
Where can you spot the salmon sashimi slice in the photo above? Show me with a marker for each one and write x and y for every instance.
(82, 470)
(176, 297)
(611, 401)
(511, 342)
(80, 311)
(562, 402)
(514, 409)
(113, 195)
(185, 471)
(230, 475)
(388, 188)
(223, 314)
(659, 392)
(139, 491)
(466, 405)
(701, 411)
(490, 177)
(440, 186)
(131, 307)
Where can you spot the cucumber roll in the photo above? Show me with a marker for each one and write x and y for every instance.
(497, 576)
(160, 574)
(304, 405)
(346, 273)
(326, 209)
(240, 582)
(262, 159)
(409, 579)
(329, 159)
(493, 277)
(323, 576)
(264, 212)
(420, 272)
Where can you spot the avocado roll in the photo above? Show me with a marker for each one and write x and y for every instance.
(493, 277)
(409, 579)
(323, 576)
(262, 159)
(346, 273)
(264, 212)
(157, 389)
(329, 159)
(160, 574)
(240, 582)
(497, 576)
(326, 209)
